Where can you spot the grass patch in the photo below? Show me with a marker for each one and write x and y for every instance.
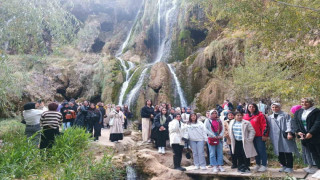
(70, 157)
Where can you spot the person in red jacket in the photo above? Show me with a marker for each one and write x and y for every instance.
(259, 123)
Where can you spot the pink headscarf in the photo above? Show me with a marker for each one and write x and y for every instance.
(295, 108)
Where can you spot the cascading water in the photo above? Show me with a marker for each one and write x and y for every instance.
(170, 20)
(134, 92)
(167, 19)
(179, 89)
(131, 173)
(126, 68)
(165, 44)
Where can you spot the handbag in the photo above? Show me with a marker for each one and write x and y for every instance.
(212, 140)
(111, 122)
(188, 154)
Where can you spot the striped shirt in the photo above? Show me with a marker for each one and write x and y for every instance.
(237, 130)
(51, 120)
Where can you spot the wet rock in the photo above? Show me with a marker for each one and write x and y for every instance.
(127, 133)
(161, 82)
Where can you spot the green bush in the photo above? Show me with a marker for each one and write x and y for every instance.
(69, 158)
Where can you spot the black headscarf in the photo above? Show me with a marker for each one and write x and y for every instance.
(29, 106)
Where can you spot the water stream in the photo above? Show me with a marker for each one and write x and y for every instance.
(126, 68)
(135, 91)
(131, 173)
(167, 19)
(183, 101)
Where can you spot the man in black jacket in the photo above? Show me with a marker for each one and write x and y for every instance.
(103, 111)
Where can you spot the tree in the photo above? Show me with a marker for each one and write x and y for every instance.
(31, 26)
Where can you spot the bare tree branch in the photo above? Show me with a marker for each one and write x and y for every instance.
(297, 6)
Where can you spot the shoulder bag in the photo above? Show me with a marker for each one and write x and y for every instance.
(213, 141)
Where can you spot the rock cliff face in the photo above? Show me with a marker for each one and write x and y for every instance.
(106, 23)
(203, 56)
(160, 82)
(85, 76)
(206, 72)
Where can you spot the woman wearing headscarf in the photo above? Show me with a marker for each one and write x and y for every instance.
(307, 120)
(259, 124)
(50, 122)
(215, 130)
(116, 124)
(281, 135)
(32, 116)
(161, 122)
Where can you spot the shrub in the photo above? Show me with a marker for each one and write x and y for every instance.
(69, 158)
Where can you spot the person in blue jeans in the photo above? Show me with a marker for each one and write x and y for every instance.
(259, 123)
(215, 130)
(197, 137)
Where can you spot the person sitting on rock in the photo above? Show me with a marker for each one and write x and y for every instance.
(176, 131)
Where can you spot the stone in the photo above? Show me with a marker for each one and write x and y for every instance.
(127, 133)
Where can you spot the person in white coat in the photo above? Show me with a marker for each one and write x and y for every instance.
(241, 135)
(176, 132)
(197, 137)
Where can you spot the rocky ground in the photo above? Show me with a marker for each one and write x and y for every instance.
(144, 157)
(152, 165)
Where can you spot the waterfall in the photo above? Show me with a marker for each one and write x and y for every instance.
(170, 20)
(165, 45)
(131, 173)
(167, 19)
(183, 101)
(126, 68)
(135, 91)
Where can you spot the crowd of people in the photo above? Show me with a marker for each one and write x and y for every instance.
(90, 116)
(244, 129)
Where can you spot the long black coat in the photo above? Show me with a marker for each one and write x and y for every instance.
(313, 125)
(81, 119)
(157, 125)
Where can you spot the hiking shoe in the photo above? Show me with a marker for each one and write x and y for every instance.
(234, 166)
(221, 169)
(245, 171)
(203, 168)
(180, 168)
(313, 170)
(282, 169)
(256, 168)
(262, 169)
(163, 151)
(215, 169)
(288, 170)
(316, 175)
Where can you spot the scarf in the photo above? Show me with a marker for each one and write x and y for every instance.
(163, 119)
